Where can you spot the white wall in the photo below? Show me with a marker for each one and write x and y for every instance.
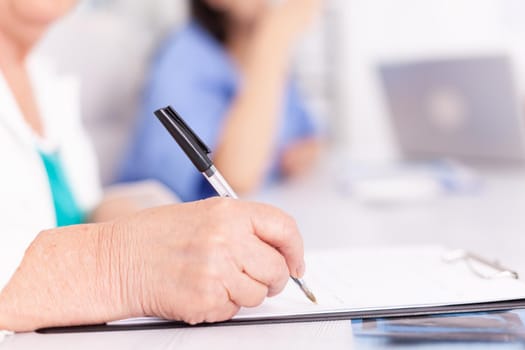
(124, 33)
(358, 34)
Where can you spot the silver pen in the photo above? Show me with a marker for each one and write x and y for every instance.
(198, 152)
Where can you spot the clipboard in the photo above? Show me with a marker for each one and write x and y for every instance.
(422, 280)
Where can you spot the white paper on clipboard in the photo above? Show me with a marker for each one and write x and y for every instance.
(390, 278)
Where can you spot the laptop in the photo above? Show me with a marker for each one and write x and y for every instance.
(467, 109)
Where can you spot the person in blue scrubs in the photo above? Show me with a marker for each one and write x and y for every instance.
(228, 74)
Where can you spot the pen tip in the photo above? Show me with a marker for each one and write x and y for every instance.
(309, 293)
(311, 297)
(305, 289)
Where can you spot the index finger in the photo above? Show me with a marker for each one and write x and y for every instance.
(279, 230)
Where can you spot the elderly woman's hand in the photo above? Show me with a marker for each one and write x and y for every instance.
(200, 262)
(196, 262)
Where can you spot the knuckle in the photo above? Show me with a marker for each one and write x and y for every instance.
(207, 298)
(278, 287)
(278, 266)
(258, 298)
(233, 311)
(194, 319)
(280, 275)
(225, 313)
(212, 297)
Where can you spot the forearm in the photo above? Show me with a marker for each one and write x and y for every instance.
(247, 141)
(68, 276)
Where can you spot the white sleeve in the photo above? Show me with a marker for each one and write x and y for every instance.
(60, 102)
(78, 155)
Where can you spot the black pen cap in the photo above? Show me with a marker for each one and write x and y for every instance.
(196, 150)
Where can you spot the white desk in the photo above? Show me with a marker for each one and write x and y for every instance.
(327, 335)
(492, 224)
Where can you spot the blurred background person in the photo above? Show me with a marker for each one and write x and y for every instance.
(227, 72)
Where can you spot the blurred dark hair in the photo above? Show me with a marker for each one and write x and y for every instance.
(215, 22)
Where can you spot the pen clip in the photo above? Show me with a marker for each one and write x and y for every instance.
(187, 139)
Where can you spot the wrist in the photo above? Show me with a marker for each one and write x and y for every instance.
(4, 315)
(122, 268)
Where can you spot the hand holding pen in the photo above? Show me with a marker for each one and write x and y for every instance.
(198, 152)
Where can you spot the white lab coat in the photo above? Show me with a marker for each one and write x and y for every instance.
(26, 205)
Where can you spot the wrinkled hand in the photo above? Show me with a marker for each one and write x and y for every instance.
(201, 262)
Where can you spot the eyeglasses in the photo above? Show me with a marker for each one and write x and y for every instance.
(480, 266)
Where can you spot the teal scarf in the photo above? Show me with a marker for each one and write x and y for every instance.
(67, 211)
